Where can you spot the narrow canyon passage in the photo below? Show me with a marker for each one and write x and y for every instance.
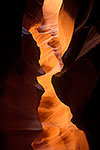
(53, 37)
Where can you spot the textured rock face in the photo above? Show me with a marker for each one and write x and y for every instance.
(22, 91)
(20, 97)
(58, 130)
(32, 13)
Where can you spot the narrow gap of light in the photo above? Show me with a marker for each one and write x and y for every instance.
(53, 37)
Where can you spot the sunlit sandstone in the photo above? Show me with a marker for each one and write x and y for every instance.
(53, 36)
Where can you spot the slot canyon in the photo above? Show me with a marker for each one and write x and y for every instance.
(49, 85)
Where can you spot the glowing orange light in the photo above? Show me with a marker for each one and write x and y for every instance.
(53, 37)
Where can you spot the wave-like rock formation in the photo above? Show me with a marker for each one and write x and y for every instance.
(53, 36)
